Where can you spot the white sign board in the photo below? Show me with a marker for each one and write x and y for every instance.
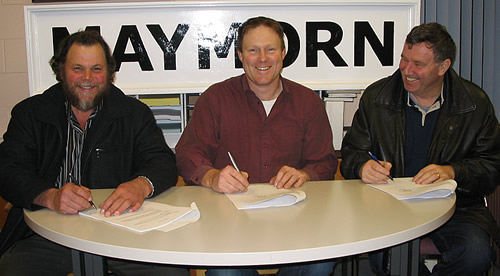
(180, 46)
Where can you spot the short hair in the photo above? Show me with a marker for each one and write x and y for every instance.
(437, 36)
(255, 22)
(86, 38)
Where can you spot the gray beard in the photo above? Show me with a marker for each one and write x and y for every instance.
(82, 105)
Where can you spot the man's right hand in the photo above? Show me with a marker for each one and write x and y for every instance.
(69, 199)
(372, 173)
(228, 180)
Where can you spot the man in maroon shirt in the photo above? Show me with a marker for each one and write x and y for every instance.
(276, 130)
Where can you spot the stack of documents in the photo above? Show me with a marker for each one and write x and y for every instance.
(265, 196)
(405, 188)
(151, 216)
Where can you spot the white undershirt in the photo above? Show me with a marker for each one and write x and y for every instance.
(268, 105)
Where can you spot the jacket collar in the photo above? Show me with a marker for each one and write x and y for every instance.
(458, 99)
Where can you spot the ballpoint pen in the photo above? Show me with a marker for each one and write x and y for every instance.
(232, 161)
(376, 160)
(71, 180)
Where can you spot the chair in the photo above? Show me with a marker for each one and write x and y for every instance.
(429, 252)
(4, 211)
(427, 247)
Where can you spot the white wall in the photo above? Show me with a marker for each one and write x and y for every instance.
(13, 68)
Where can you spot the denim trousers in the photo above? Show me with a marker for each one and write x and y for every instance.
(36, 255)
(465, 250)
(321, 268)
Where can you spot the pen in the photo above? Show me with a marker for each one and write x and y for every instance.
(232, 161)
(71, 180)
(92, 203)
(376, 160)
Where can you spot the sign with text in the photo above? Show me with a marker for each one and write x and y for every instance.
(179, 46)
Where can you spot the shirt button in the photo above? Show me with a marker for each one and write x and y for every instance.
(265, 166)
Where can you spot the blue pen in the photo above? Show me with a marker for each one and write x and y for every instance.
(376, 160)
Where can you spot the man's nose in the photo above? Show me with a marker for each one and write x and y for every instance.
(407, 68)
(87, 74)
(263, 55)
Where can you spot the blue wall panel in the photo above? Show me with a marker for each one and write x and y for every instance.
(476, 31)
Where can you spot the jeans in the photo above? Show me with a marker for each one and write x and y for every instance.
(302, 269)
(36, 255)
(465, 250)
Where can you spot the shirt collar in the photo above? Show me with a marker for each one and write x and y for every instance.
(246, 86)
(437, 104)
(71, 116)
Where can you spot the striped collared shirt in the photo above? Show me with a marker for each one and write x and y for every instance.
(71, 167)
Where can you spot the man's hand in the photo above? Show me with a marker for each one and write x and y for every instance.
(127, 195)
(228, 180)
(372, 173)
(69, 199)
(434, 173)
(288, 177)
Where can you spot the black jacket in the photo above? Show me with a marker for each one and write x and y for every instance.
(124, 142)
(466, 136)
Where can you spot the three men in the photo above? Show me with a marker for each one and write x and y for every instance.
(80, 134)
(426, 122)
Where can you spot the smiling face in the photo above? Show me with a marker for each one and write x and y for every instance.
(422, 75)
(262, 58)
(85, 78)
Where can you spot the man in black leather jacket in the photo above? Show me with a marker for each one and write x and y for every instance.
(82, 133)
(426, 122)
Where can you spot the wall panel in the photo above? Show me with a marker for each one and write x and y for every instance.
(476, 31)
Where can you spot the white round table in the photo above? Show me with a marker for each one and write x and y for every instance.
(338, 218)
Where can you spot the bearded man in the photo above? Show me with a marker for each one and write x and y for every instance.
(82, 133)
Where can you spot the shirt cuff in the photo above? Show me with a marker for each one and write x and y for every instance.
(150, 183)
(199, 173)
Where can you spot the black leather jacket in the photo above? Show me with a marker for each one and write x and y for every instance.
(466, 136)
(124, 142)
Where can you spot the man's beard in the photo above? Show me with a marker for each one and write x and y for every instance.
(84, 104)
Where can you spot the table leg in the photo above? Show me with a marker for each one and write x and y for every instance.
(85, 264)
(414, 256)
(395, 260)
(405, 258)
(349, 265)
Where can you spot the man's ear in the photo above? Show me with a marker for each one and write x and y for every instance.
(444, 66)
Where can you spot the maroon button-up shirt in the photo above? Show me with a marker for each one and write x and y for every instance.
(228, 116)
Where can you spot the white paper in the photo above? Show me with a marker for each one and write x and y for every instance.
(264, 196)
(151, 215)
(405, 188)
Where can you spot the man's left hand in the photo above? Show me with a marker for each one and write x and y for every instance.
(127, 195)
(288, 177)
(434, 173)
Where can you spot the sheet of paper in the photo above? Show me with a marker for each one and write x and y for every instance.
(405, 188)
(151, 215)
(264, 196)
